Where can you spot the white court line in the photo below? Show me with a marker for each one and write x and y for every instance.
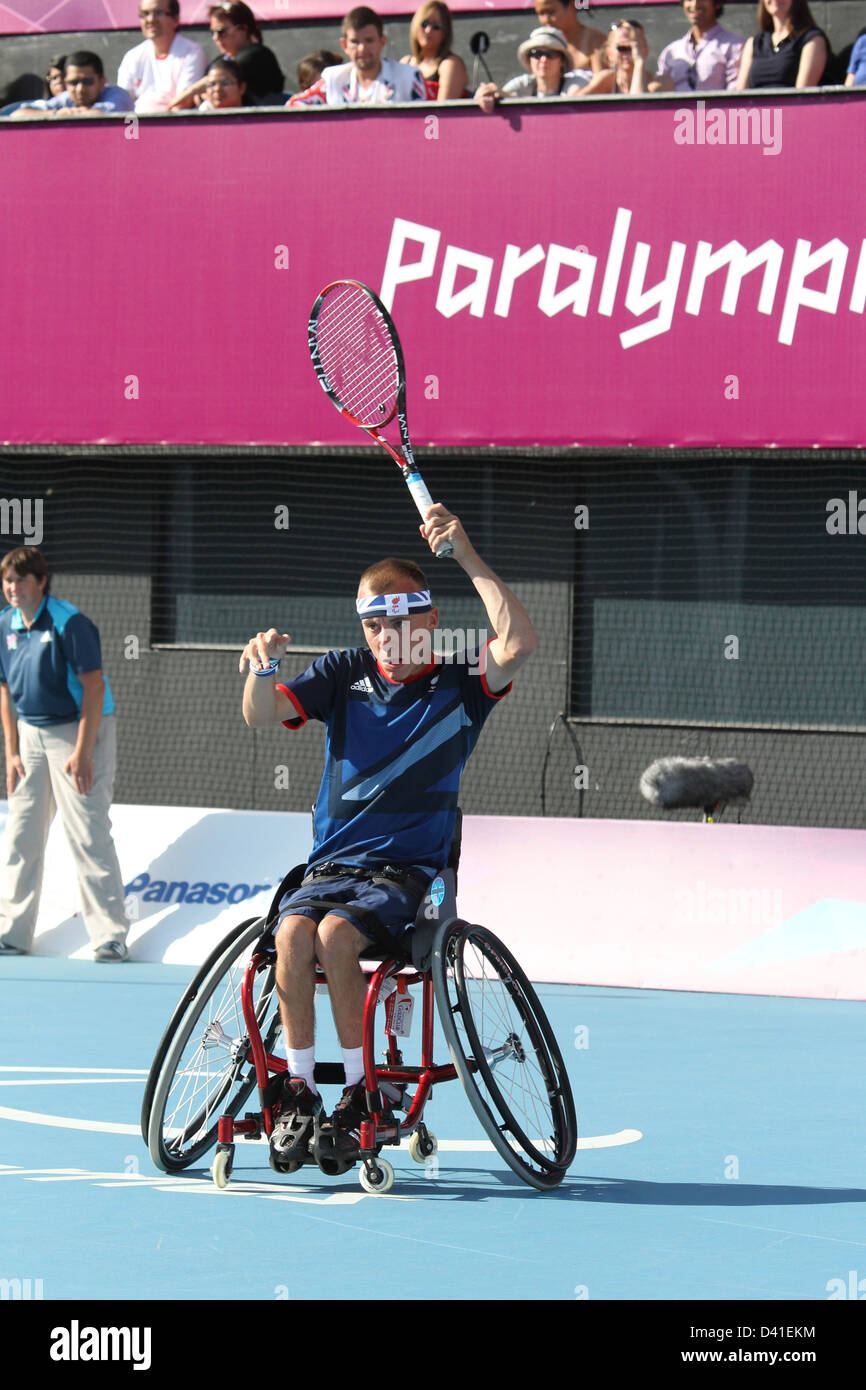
(75, 1081)
(32, 1117)
(308, 1196)
(112, 1071)
(476, 1146)
(109, 1075)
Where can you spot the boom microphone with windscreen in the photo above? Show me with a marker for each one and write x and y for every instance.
(674, 783)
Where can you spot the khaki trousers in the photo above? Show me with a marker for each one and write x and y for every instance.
(46, 789)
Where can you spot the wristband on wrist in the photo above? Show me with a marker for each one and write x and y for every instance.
(266, 670)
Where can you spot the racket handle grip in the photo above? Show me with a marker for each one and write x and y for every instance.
(423, 501)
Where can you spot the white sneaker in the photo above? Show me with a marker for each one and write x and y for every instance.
(112, 951)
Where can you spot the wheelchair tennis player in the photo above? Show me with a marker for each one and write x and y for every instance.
(400, 722)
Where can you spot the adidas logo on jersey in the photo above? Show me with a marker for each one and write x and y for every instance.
(366, 685)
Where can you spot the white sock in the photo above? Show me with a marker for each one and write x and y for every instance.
(302, 1063)
(353, 1061)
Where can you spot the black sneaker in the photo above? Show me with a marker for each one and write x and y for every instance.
(351, 1109)
(290, 1139)
(336, 1145)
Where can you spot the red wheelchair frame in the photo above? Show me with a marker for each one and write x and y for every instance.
(455, 964)
(373, 1132)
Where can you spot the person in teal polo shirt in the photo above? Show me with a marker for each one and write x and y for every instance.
(57, 713)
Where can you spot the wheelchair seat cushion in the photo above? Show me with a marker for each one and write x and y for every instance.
(353, 898)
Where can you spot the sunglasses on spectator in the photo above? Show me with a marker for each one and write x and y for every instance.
(430, 24)
(153, 14)
(81, 81)
(626, 24)
(222, 86)
(544, 53)
(218, 33)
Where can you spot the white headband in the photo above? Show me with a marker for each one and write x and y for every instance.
(394, 605)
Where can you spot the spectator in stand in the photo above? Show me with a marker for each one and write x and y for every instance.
(224, 87)
(54, 83)
(585, 45)
(857, 62)
(545, 55)
(236, 33)
(706, 59)
(431, 34)
(789, 50)
(166, 64)
(368, 78)
(85, 94)
(627, 54)
(313, 65)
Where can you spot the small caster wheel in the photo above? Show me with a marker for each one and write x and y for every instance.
(221, 1170)
(422, 1146)
(377, 1177)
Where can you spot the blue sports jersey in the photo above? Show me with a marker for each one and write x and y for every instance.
(394, 754)
(41, 664)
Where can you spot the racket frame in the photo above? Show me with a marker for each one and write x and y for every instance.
(404, 457)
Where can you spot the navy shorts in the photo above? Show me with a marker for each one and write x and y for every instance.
(395, 907)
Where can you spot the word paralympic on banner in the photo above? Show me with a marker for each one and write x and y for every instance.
(768, 259)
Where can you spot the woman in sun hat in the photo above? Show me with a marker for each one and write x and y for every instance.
(546, 59)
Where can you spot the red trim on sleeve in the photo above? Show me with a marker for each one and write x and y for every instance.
(491, 694)
(302, 715)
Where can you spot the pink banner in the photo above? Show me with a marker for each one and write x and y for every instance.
(733, 909)
(70, 16)
(660, 273)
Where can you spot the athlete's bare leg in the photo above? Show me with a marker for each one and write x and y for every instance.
(336, 944)
(296, 979)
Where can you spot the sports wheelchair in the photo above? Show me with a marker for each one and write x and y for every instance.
(220, 1045)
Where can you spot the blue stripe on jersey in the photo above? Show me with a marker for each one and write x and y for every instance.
(394, 755)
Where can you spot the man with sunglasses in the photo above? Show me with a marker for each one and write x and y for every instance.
(85, 92)
(157, 71)
(545, 56)
(706, 59)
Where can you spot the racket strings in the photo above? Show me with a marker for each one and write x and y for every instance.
(363, 364)
(357, 356)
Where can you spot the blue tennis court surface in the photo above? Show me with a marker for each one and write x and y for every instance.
(721, 1158)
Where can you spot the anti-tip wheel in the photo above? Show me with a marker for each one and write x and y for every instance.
(221, 1168)
(422, 1146)
(377, 1177)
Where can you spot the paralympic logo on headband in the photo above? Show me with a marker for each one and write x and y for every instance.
(394, 605)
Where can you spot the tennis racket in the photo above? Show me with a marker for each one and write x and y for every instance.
(359, 362)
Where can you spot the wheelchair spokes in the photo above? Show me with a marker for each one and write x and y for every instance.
(506, 1055)
(205, 1072)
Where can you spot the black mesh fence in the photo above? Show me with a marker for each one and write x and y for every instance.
(707, 604)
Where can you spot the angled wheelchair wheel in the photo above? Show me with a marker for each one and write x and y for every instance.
(505, 1053)
(204, 1067)
(189, 995)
